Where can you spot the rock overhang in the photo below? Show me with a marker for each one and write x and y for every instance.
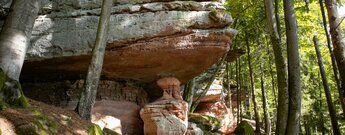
(144, 42)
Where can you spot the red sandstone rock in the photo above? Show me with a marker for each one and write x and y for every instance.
(211, 105)
(165, 117)
(120, 116)
(168, 114)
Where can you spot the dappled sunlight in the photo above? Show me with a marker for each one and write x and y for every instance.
(107, 121)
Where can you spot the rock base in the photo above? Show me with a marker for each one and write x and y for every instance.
(165, 117)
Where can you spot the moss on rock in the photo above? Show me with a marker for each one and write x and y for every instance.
(206, 123)
(41, 125)
(244, 128)
(220, 16)
(11, 92)
(95, 130)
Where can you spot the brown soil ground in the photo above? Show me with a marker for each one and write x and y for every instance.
(68, 122)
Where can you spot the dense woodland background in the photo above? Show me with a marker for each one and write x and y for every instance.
(254, 36)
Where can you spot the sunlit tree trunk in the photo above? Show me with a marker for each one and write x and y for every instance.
(334, 64)
(331, 109)
(283, 94)
(265, 105)
(256, 113)
(293, 69)
(89, 92)
(14, 41)
(15, 36)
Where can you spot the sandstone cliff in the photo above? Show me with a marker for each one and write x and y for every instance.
(147, 39)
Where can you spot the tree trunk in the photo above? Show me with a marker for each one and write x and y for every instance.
(256, 113)
(337, 40)
(334, 64)
(89, 93)
(322, 126)
(229, 87)
(15, 36)
(237, 91)
(14, 41)
(293, 69)
(283, 94)
(265, 105)
(197, 101)
(331, 109)
(188, 93)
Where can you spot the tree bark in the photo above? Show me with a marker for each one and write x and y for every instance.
(197, 101)
(283, 93)
(229, 87)
(337, 40)
(256, 113)
(293, 69)
(15, 36)
(89, 93)
(14, 41)
(322, 126)
(188, 93)
(331, 109)
(265, 105)
(334, 64)
(237, 91)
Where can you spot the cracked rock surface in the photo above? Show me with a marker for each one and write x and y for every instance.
(147, 39)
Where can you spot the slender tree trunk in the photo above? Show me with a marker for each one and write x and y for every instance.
(337, 40)
(89, 93)
(240, 88)
(15, 36)
(293, 69)
(334, 64)
(321, 114)
(238, 91)
(14, 41)
(197, 101)
(265, 105)
(307, 128)
(256, 113)
(277, 18)
(229, 87)
(283, 94)
(188, 93)
(331, 109)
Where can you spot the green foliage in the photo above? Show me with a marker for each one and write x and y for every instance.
(95, 130)
(249, 21)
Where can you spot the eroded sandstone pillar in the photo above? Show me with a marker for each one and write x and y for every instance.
(168, 114)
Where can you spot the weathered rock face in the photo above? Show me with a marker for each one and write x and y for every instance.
(168, 114)
(120, 116)
(211, 105)
(66, 94)
(147, 39)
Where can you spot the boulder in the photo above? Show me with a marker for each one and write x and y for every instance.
(168, 114)
(147, 39)
(118, 116)
(165, 117)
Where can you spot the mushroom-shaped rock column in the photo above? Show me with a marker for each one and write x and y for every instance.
(168, 114)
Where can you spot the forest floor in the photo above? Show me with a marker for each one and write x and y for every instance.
(65, 122)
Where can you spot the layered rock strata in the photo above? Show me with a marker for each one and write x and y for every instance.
(167, 115)
(147, 39)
